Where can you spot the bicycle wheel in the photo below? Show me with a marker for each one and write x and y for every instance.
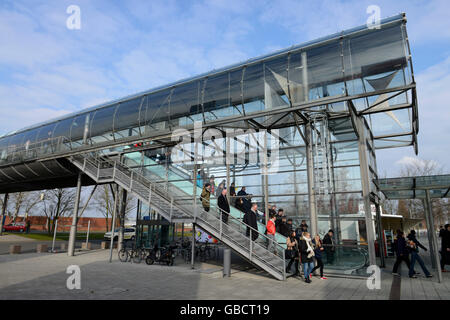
(137, 256)
(149, 260)
(123, 255)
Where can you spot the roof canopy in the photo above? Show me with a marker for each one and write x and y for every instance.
(415, 187)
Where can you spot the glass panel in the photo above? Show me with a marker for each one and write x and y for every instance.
(345, 153)
(16, 147)
(253, 88)
(324, 68)
(44, 137)
(62, 130)
(347, 178)
(101, 125)
(157, 111)
(184, 104)
(126, 121)
(374, 53)
(276, 86)
(77, 129)
(391, 122)
(216, 96)
(4, 149)
(348, 203)
(236, 90)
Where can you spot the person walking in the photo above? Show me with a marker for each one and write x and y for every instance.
(205, 196)
(306, 255)
(329, 246)
(441, 231)
(318, 249)
(414, 250)
(271, 234)
(279, 217)
(445, 247)
(239, 204)
(221, 186)
(28, 225)
(292, 253)
(222, 203)
(232, 192)
(304, 226)
(213, 184)
(402, 253)
(283, 227)
(199, 179)
(250, 218)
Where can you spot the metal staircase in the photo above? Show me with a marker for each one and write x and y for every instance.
(175, 206)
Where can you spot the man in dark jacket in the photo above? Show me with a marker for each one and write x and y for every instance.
(413, 247)
(412, 237)
(328, 246)
(402, 252)
(224, 206)
(283, 227)
(445, 248)
(279, 217)
(250, 218)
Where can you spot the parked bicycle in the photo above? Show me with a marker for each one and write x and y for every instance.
(161, 255)
(133, 254)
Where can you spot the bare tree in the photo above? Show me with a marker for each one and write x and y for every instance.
(104, 202)
(24, 201)
(58, 203)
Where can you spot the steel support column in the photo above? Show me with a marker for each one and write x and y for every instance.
(364, 167)
(73, 227)
(265, 179)
(381, 243)
(430, 240)
(123, 205)
(431, 231)
(193, 246)
(310, 174)
(5, 205)
(113, 224)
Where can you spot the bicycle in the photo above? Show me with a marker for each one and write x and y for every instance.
(133, 254)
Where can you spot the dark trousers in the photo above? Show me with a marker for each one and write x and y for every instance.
(444, 258)
(206, 209)
(319, 265)
(399, 260)
(415, 257)
(225, 217)
(291, 261)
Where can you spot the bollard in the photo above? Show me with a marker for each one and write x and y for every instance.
(86, 246)
(15, 249)
(63, 247)
(41, 248)
(105, 245)
(226, 262)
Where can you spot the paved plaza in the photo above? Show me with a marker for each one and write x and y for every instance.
(43, 276)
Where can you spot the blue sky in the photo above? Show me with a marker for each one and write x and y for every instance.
(47, 70)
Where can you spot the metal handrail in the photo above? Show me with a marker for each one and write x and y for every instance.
(21, 149)
(96, 160)
(276, 245)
